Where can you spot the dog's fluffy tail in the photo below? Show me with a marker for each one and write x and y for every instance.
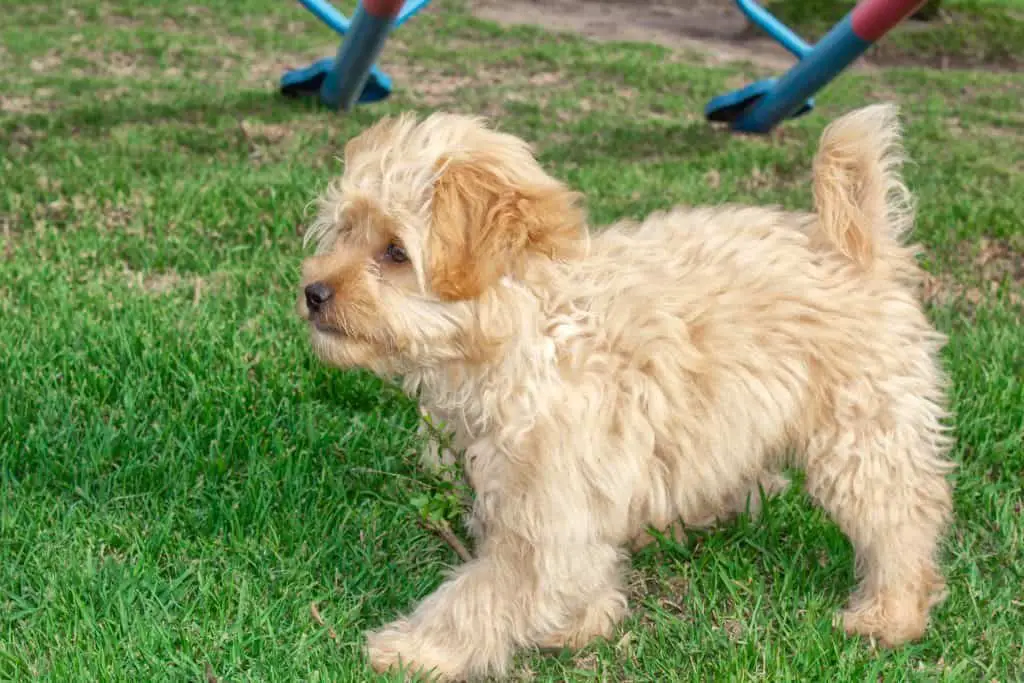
(862, 204)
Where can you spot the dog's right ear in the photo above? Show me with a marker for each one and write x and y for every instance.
(484, 226)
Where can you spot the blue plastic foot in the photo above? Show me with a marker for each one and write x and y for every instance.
(306, 82)
(731, 106)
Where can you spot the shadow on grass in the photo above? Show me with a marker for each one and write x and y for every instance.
(198, 108)
(640, 141)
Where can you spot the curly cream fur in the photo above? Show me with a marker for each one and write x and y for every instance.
(653, 372)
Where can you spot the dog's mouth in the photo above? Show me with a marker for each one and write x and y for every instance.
(328, 329)
(316, 322)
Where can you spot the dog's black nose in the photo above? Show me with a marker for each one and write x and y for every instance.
(317, 294)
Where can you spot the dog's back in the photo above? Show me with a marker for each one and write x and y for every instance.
(738, 336)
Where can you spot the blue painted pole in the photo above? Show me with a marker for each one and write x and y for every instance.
(409, 9)
(866, 23)
(325, 12)
(775, 28)
(833, 53)
(356, 56)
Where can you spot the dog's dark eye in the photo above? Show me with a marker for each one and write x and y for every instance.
(396, 254)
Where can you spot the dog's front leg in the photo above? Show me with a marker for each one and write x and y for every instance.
(436, 455)
(544, 588)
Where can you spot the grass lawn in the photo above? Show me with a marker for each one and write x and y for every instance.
(180, 479)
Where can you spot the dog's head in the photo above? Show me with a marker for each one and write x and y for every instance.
(425, 223)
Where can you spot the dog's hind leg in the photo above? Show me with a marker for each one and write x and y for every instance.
(880, 470)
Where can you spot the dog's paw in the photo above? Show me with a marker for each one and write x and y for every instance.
(397, 648)
(597, 621)
(892, 627)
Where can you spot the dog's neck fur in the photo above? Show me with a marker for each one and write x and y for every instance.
(515, 350)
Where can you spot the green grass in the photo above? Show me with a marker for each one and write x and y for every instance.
(179, 479)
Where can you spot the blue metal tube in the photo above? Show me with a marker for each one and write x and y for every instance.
(410, 8)
(775, 28)
(356, 56)
(833, 53)
(326, 13)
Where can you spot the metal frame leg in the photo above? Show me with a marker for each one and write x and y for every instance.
(767, 22)
(358, 51)
(351, 76)
(761, 106)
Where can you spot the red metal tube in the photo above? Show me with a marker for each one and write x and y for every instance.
(383, 9)
(872, 19)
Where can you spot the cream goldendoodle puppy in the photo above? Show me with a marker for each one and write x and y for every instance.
(602, 384)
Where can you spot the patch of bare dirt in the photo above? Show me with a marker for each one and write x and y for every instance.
(152, 283)
(1001, 260)
(992, 265)
(669, 593)
(1014, 135)
(165, 282)
(259, 132)
(714, 29)
(440, 89)
(58, 209)
(5, 230)
(16, 104)
(46, 63)
(261, 68)
(427, 86)
(586, 662)
(266, 140)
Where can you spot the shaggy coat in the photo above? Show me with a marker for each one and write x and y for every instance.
(655, 372)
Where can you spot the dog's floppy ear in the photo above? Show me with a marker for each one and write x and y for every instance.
(485, 226)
